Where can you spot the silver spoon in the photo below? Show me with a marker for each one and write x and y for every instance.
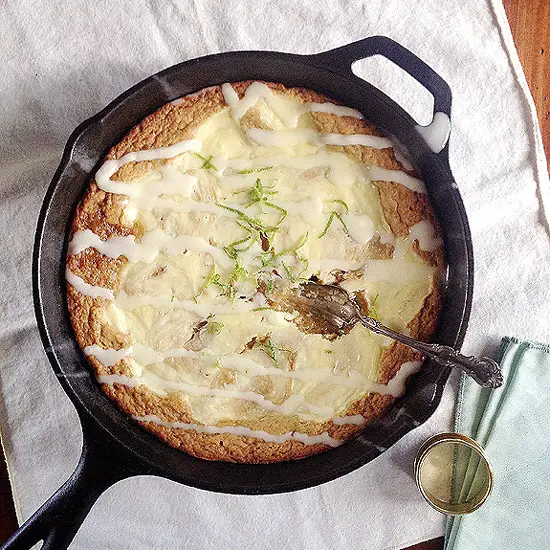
(340, 312)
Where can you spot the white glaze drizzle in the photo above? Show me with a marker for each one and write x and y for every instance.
(331, 264)
(258, 90)
(378, 271)
(333, 109)
(310, 209)
(292, 405)
(323, 438)
(152, 243)
(407, 369)
(356, 419)
(284, 138)
(295, 404)
(436, 134)
(401, 154)
(341, 172)
(146, 196)
(397, 176)
(144, 356)
(111, 167)
(386, 237)
(361, 228)
(87, 289)
(305, 208)
(172, 182)
(129, 302)
(376, 142)
(107, 356)
(424, 233)
(397, 271)
(150, 203)
(253, 93)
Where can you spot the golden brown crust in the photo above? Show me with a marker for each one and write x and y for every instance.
(102, 213)
(172, 123)
(232, 448)
(141, 401)
(402, 207)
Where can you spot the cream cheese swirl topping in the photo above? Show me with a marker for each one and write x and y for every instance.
(232, 217)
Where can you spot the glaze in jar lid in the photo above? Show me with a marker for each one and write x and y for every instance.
(453, 473)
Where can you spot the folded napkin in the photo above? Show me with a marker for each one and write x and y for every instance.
(511, 423)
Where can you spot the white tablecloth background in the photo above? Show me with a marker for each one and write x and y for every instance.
(62, 62)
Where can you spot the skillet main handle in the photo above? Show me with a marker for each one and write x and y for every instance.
(59, 518)
(57, 521)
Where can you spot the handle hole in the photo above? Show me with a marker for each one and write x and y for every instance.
(397, 84)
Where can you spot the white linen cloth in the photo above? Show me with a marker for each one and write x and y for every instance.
(62, 62)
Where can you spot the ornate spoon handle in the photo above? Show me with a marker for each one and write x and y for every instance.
(485, 371)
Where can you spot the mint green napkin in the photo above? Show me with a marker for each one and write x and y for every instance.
(512, 423)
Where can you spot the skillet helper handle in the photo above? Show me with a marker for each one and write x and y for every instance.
(342, 58)
(57, 521)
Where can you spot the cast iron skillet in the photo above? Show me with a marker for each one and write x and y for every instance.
(114, 447)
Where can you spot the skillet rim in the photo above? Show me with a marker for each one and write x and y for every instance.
(404, 421)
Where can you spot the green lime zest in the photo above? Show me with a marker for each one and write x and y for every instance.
(268, 258)
(258, 193)
(289, 272)
(253, 170)
(373, 313)
(338, 216)
(215, 327)
(243, 226)
(305, 265)
(215, 279)
(206, 284)
(270, 350)
(296, 247)
(206, 164)
(252, 222)
(231, 249)
(346, 208)
(333, 215)
(239, 273)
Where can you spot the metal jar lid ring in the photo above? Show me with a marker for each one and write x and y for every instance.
(453, 473)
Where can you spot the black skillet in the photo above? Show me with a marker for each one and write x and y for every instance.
(114, 447)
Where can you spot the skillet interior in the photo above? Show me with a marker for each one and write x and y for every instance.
(85, 150)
